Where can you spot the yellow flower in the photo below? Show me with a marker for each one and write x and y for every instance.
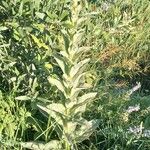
(125, 117)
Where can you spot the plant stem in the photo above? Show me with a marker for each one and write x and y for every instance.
(67, 145)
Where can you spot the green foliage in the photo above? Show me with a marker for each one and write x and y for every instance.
(13, 121)
(68, 113)
(53, 54)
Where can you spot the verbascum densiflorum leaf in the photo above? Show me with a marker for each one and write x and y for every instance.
(78, 68)
(77, 82)
(56, 111)
(85, 130)
(82, 101)
(52, 145)
(87, 97)
(71, 127)
(66, 40)
(77, 52)
(77, 38)
(75, 91)
(63, 64)
(58, 84)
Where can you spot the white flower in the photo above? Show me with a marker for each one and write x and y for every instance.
(135, 130)
(133, 108)
(135, 88)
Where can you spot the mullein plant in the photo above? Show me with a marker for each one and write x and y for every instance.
(72, 128)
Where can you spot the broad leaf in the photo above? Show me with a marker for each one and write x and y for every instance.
(87, 97)
(75, 91)
(40, 15)
(37, 4)
(81, 20)
(66, 40)
(3, 28)
(78, 67)
(55, 110)
(57, 107)
(52, 145)
(77, 38)
(78, 80)
(39, 42)
(79, 109)
(20, 8)
(76, 52)
(80, 106)
(62, 63)
(57, 83)
(71, 127)
(86, 129)
(23, 98)
(33, 145)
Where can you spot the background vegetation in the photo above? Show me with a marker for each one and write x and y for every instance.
(117, 33)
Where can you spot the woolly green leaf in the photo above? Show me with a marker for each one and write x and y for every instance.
(83, 49)
(77, 38)
(80, 106)
(33, 145)
(81, 20)
(78, 80)
(86, 129)
(71, 127)
(75, 91)
(55, 110)
(52, 145)
(64, 53)
(37, 4)
(40, 15)
(66, 40)
(57, 83)
(77, 52)
(78, 67)
(3, 28)
(23, 98)
(20, 8)
(77, 109)
(86, 97)
(57, 107)
(64, 16)
(62, 64)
